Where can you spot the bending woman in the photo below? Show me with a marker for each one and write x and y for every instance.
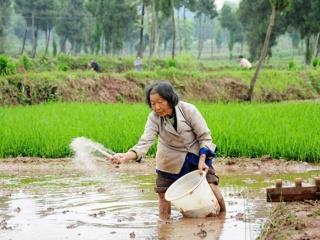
(184, 142)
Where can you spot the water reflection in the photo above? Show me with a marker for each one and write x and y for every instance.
(122, 209)
(120, 206)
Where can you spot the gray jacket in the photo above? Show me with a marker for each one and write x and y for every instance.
(191, 135)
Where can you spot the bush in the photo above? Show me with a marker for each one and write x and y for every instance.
(6, 68)
(292, 64)
(25, 61)
(63, 67)
(315, 62)
(172, 63)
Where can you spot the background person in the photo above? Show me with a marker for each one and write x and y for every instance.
(138, 63)
(184, 142)
(95, 66)
(244, 63)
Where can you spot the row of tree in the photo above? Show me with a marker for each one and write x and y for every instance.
(109, 26)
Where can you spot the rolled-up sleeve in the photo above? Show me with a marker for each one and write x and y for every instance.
(147, 139)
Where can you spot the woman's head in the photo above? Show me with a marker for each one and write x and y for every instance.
(164, 90)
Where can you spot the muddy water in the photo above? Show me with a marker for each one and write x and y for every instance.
(110, 203)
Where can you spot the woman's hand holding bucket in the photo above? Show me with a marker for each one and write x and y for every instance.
(202, 166)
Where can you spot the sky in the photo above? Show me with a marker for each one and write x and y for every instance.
(220, 3)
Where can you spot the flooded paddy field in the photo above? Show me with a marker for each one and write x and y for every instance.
(60, 199)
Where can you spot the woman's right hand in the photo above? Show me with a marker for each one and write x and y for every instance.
(118, 158)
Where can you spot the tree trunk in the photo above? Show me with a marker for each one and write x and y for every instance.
(24, 40)
(173, 31)
(63, 45)
(263, 54)
(211, 36)
(47, 38)
(141, 32)
(308, 51)
(152, 27)
(179, 32)
(199, 36)
(316, 45)
(185, 41)
(34, 37)
(159, 22)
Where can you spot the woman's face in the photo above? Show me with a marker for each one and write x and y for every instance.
(160, 106)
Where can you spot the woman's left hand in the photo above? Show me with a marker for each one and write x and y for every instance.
(202, 166)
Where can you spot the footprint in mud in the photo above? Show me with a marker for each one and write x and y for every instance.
(132, 235)
(18, 209)
(4, 225)
(71, 226)
(202, 233)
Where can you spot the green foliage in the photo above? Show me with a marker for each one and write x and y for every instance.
(6, 67)
(292, 64)
(315, 62)
(63, 67)
(45, 63)
(281, 5)
(25, 61)
(255, 19)
(172, 63)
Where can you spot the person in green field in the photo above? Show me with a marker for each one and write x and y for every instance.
(94, 66)
(184, 143)
(138, 64)
(244, 63)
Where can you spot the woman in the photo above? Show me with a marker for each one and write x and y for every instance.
(244, 63)
(184, 143)
(94, 66)
(138, 64)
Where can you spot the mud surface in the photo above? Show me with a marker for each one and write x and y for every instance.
(81, 202)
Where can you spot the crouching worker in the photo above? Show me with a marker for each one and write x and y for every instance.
(184, 143)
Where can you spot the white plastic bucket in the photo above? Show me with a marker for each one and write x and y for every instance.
(193, 196)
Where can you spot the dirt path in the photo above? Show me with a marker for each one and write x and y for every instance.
(294, 220)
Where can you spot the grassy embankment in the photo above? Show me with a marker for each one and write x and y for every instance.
(68, 79)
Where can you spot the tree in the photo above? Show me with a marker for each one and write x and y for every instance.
(22, 7)
(73, 25)
(5, 11)
(173, 30)
(277, 6)
(47, 11)
(115, 16)
(205, 9)
(304, 17)
(39, 15)
(229, 21)
(218, 40)
(255, 18)
(140, 52)
(94, 43)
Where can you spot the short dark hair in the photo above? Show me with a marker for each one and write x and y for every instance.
(165, 90)
(240, 56)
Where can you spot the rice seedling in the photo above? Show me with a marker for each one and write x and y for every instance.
(288, 130)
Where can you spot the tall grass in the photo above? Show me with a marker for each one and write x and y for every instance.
(289, 130)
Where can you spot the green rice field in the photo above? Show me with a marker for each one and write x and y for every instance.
(287, 130)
